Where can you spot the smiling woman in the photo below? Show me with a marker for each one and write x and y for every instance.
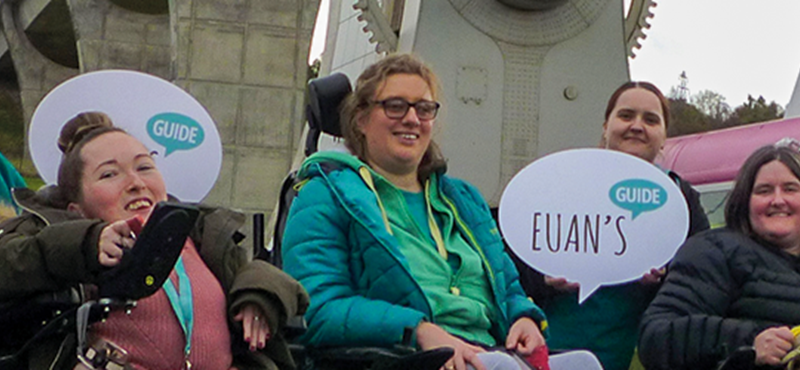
(636, 120)
(120, 179)
(738, 287)
(71, 235)
(385, 233)
(774, 206)
(636, 123)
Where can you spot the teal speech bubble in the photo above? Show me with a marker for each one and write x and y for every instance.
(638, 195)
(175, 131)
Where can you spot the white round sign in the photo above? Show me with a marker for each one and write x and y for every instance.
(593, 216)
(167, 119)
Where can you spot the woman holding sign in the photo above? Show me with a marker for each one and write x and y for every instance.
(737, 287)
(636, 121)
(217, 311)
(386, 243)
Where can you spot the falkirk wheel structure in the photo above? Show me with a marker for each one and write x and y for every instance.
(244, 60)
(520, 78)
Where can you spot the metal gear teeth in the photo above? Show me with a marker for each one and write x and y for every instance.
(637, 20)
(382, 34)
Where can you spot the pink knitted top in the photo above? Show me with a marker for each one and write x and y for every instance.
(153, 336)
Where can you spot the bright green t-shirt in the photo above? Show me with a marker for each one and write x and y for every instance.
(458, 288)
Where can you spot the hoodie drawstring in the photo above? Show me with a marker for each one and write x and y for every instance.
(364, 172)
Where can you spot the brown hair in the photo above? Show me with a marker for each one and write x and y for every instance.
(737, 209)
(356, 105)
(78, 131)
(612, 101)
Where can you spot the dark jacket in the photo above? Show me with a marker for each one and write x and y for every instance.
(49, 250)
(723, 289)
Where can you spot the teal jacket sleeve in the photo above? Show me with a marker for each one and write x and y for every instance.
(320, 250)
(9, 178)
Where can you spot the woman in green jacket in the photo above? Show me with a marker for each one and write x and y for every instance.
(386, 243)
(68, 236)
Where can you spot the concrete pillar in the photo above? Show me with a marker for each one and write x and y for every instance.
(36, 74)
(110, 37)
(246, 62)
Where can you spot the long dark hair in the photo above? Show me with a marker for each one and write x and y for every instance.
(737, 210)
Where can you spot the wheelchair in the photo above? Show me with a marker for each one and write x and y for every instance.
(325, 96)
(141, 272)
(31, 321)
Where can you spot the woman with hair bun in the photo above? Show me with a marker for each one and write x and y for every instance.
(69, 235)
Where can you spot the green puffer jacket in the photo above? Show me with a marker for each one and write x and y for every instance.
(48, 249)
(363, 293)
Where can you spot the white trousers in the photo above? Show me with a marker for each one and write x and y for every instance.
(572, 360)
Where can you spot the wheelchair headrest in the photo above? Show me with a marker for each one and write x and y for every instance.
(325, 95)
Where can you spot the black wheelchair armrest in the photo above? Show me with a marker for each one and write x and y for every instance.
(295, 327)
(744, 358)
(61, 323)
(378, 358)
(428, 360)
(402, 356)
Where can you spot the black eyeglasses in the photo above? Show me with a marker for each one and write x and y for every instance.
(398, 108)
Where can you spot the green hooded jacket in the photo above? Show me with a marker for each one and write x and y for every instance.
(337, 244)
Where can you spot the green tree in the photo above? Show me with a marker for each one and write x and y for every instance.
(686, 119)
(713, 105)
(313, 69)
(708, 110)
(755, 110)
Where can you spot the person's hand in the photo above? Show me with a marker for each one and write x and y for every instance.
(561, 284)
(524, 336)
(654, 276)
(772, 344)
(113, 238)
(256, 329)
(430, 336)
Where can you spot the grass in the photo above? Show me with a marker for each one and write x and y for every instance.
(33, 182)
(27, 170)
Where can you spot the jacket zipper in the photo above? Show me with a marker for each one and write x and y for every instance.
(37, 214)
(492, 281)
(429, 314)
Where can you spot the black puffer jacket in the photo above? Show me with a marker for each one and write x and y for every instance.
(723, 289)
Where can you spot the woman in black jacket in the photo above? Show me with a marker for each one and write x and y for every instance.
(738, 286)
